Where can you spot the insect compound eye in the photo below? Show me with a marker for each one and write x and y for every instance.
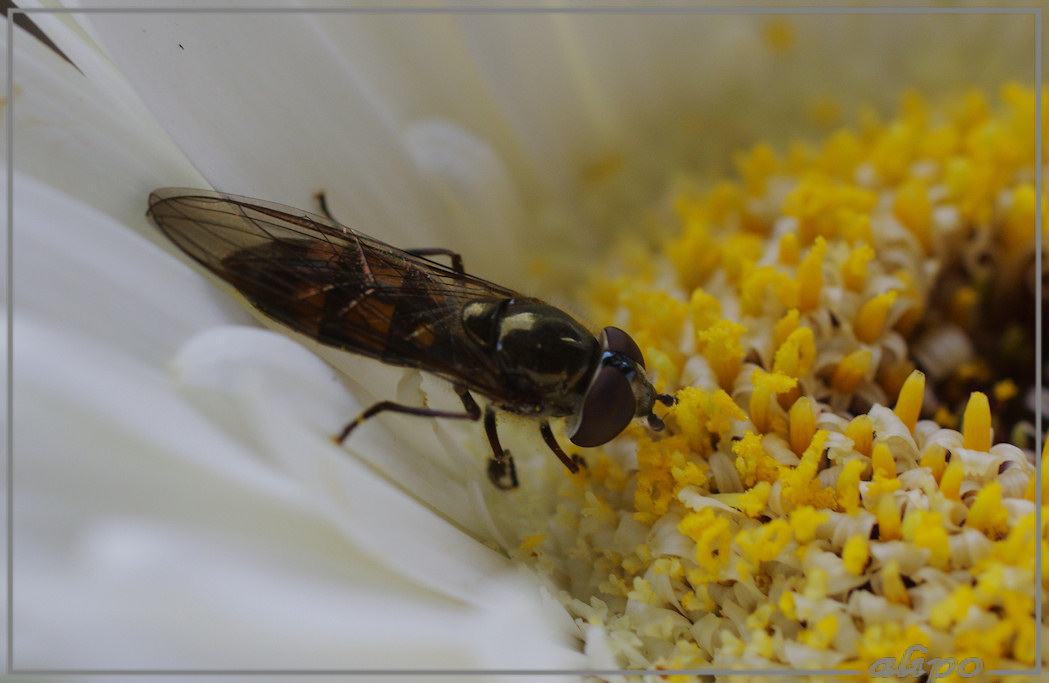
(619, 341)
(607, 410)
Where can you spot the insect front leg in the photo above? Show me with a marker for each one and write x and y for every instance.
(473, 412)
(571, 462)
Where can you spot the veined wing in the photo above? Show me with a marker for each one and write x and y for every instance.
(334, 284)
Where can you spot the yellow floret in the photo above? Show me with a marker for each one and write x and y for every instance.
(848, 485)
(763, 543)
(810, 276)
(912, 394)
(976, 423)
(951, 481)
(800, 485)
(987, 514)
(925, 530)
(825, 206)
(785, 326)
(705, 310)
(820, 636)
(851, 370)
(695, 254)
(892, 585)
(713, 539)
(756, 166)
(854, 269)
(914, 210)
(882, 461)
(889, 524)
(861, 430)
(935, 458)
(766, 288)
(766, 386)
(803, 522)
(789, 249)
(1018, 229)
(720, 344)
(752, 462)
(855, 554)
(738, 254)
(870, 321)
(795, 355)
(802, 418)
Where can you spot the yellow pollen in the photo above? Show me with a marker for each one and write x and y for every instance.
(976, 423)
(871, 318)
(909, 404)
(851, 370)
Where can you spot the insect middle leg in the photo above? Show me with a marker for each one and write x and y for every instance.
(456, 258)
(501, 469)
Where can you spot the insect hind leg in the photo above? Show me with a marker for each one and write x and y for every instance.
(473, 412)
(456, 257)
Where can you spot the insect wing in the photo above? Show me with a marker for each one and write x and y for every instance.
(334, 284)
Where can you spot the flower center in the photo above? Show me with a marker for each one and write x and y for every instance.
(848, 328)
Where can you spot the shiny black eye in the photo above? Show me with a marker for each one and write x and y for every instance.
(619, 341)
(607, 410)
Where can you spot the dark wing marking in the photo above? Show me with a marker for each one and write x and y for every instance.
(334, 284)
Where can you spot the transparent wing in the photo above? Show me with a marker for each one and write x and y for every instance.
(334, 284)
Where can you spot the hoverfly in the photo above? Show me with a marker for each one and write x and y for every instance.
(352, 292)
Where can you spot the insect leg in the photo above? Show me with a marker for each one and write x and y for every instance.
(571, 462)
(472, 413)
(323, 201)
(457, 259)
(501, 469)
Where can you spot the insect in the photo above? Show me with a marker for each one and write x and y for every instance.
(353, 292)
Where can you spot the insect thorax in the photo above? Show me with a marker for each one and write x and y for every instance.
(547, 357)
